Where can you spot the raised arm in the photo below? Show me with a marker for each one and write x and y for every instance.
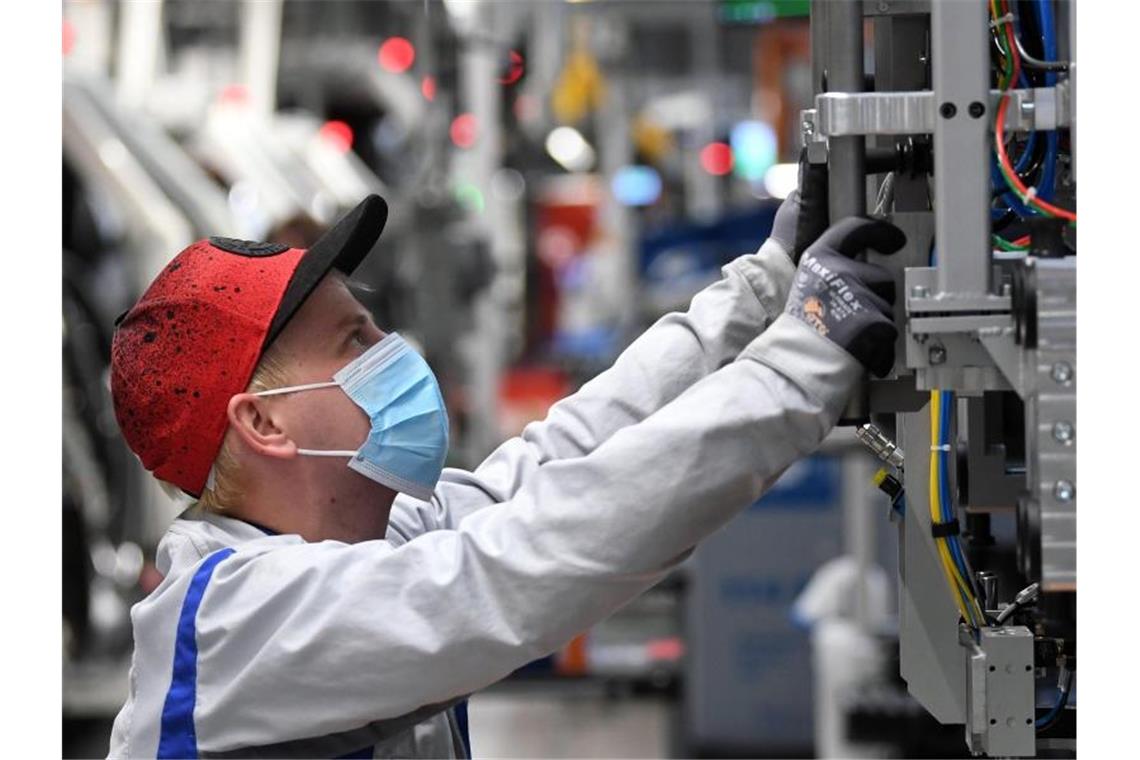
(680, 349)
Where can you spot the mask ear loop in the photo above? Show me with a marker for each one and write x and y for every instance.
(309, 387)
(297, 388)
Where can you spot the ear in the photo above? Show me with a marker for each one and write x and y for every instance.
(251, 417)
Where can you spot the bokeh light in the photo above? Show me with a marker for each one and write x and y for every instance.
(397, 55)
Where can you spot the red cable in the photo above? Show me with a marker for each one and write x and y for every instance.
(999, 128)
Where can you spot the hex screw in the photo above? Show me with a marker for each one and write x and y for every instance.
(948, 110)
(1063, 432)
(977, 109)
(1062, 373)
(1064, 490)
(937, 355)
(918, 291)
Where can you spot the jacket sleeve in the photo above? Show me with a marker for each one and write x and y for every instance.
(673, 354)
(320, 638)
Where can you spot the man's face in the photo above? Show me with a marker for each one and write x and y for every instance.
(330, 330)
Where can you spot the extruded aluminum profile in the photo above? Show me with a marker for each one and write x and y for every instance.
(1053, 457)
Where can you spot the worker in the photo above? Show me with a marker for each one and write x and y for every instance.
(334, 591)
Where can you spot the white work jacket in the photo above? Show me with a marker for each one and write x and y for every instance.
(269, 646)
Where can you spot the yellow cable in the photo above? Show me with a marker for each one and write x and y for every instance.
(970, 600)
(959, 589)
(935, 408)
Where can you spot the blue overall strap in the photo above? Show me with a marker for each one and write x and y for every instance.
(178, 739)
(461, 717)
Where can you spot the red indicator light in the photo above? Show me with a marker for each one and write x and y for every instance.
(716, 158)
(396, 55)
(514, 70)
(464, 130)
(337, 134)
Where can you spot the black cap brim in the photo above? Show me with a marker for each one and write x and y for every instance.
(343, 247)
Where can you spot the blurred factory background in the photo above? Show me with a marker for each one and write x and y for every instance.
(560, 175)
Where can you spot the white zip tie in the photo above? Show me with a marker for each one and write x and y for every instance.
(1006, 19)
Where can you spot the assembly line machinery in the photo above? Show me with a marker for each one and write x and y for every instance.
(961, 134)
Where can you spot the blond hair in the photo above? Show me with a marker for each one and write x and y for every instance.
(226, 488)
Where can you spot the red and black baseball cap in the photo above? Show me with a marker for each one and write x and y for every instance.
(195, 337)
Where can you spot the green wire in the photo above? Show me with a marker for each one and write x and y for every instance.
(1006, 82)
(1005, 245)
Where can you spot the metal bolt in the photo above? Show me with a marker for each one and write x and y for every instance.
(1027, 109)
(1063, 432)
(977, 109)
(937, 355)
(988, 586)
(1064, 490)
(948, 110)
(807, 126)
(1006, 289)
(1062, 373)
(918, 291)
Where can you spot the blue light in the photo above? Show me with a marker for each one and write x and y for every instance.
(636, 185)
(753, 149)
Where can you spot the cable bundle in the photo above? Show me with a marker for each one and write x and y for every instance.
(1021, 198)
(954, 564)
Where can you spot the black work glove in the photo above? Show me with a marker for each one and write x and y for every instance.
(802, 217)
(848, 301)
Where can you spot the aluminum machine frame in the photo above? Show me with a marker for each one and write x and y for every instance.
(995, 332)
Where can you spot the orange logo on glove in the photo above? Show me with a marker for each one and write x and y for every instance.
(813, 314)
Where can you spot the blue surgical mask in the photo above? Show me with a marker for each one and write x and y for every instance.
(408, 439)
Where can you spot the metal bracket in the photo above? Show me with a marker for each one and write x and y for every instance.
(1039, 108)
(943, 336)
(1000, 697)
(840, 114)
(875, 113)
(1011, 359)
(810, 137)
(923, 296)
